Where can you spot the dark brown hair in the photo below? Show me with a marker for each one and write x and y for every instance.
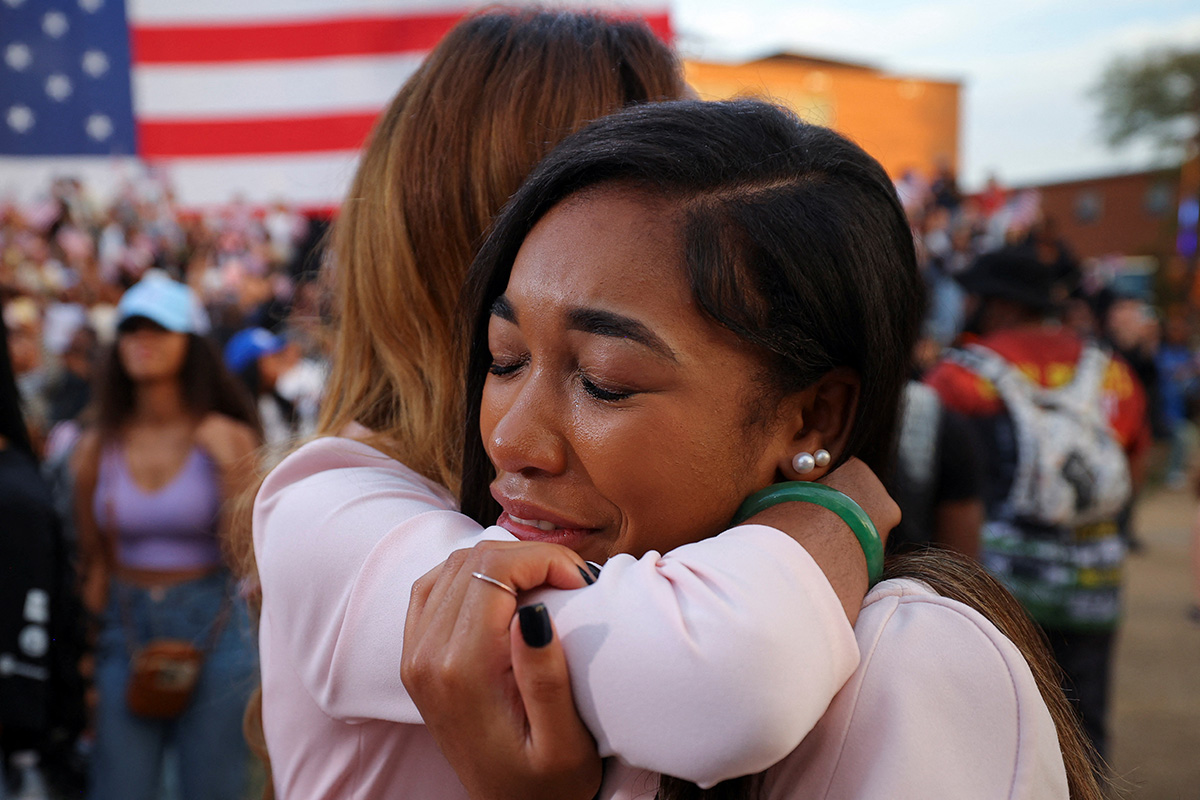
(793, 239)
(207, 387)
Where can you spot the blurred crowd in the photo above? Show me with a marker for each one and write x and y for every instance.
(66, 262)
(1153, 334)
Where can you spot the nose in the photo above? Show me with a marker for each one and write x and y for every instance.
(526, 435)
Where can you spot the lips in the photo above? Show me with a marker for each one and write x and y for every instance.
(531, 523)
(540, 524)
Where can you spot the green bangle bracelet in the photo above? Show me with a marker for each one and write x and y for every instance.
(820, 494)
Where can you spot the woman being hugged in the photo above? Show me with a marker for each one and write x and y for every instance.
(346, 524)
(174, 439)
(685, 306)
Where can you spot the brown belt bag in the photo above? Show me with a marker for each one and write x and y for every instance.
(163, 672)
(162, 677)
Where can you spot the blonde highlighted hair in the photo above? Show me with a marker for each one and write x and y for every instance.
(497, 94)
(490, 101)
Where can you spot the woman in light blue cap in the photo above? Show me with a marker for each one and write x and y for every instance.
(174, 438)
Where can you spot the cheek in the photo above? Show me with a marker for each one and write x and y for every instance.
(678, 478)
(174, 354)
(125, 355)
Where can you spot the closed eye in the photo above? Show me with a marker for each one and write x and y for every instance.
(503, 367)
(600, 393)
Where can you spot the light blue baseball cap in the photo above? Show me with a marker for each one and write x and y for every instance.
(164, 301)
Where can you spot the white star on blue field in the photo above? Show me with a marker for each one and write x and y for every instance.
(64, 78)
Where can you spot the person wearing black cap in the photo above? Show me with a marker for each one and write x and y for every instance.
(1063, 423)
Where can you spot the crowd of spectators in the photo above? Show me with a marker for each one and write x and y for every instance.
(66, 261)
(1153, 334)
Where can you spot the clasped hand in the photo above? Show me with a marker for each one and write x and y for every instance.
(500, 710)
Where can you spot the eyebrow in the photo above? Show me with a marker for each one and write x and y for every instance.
(616, 326)
(598, 323)
(503, 309)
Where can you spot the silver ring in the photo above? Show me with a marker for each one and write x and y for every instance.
(494, 582)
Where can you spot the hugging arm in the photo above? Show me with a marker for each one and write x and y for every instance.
(708, 662)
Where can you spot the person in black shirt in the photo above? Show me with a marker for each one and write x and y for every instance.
(938, 480)
(41, 693)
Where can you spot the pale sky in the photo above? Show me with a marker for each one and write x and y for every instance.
(1026, 65)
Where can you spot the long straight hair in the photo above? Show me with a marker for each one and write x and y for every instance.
(499, 91)
(794, 240)
(207, 387)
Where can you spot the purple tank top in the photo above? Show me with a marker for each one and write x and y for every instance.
(174, 527)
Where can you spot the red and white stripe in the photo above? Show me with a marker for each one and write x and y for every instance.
(274, 98)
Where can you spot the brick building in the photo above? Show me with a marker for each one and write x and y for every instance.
(905, 122)
(1132, 214)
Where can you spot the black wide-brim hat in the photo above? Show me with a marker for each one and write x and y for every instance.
(1012, 274)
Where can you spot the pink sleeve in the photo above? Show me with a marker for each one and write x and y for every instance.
(943, 706)
(341, 533)
(709, 662)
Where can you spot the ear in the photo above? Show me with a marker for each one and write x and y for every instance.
(820, 418)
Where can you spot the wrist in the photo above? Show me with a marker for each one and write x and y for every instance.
(818, 494)
(830, 544)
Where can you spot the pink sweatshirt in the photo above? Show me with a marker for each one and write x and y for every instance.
(941, 707)
(708, 662)
(711, 661)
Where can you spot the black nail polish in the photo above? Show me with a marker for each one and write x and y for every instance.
(588, 578)
(594, 567)
(535, 625)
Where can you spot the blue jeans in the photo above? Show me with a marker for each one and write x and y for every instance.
(207, 739)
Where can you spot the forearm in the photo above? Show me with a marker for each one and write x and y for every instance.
(829, 542)
(957, 525)
(711, 661)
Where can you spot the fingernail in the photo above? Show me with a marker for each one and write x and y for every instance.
(535, 625)
(594, 567)
(588, 577)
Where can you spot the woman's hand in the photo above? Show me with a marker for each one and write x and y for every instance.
(828, 539)
(856, 480)
(491, 685)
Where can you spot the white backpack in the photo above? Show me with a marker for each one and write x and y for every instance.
(1071, 470)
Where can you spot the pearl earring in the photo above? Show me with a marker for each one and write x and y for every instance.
(822, 458)
(804, 463)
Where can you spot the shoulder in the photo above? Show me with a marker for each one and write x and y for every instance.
(340, 466)
(962, 390)
(1036, 344)
(905, 624)
(225, 438)
(938, 671)
(85, 458)
(1120, 380)
(941, 706)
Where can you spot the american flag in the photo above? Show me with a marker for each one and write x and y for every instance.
(267, 99)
